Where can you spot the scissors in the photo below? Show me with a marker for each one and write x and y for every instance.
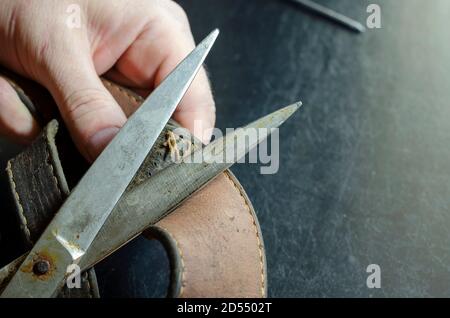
(89, 226)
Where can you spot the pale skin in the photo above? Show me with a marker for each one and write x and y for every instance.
(136, 43)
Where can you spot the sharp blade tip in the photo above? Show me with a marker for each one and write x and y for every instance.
(286, 112)
(291, 109)
(297, 105)
(215, 32)
(208, 42)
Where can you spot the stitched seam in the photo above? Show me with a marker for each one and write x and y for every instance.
(52, 170)
(19, 205)
(261, 258)
(182, 260)
(124, 92)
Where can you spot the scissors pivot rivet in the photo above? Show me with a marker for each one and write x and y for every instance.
(41, 267)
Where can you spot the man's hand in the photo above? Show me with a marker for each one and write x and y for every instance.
(136, 43)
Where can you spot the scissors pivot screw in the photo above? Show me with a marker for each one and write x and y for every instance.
(41, 267)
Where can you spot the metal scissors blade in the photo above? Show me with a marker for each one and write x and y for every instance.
(166, 190)
(77, 223)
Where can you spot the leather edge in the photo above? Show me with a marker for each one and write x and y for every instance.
(261, 247)
(50, 133)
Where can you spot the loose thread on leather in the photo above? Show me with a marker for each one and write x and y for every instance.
(171, 143)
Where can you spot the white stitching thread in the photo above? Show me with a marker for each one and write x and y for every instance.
(19, 205)
(52, 170)
(136, 99)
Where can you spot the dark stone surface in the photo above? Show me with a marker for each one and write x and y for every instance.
(364, 172)
(364, 166)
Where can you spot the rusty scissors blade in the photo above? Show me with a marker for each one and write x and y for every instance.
(80, 218)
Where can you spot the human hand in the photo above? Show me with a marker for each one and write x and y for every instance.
(136, 43)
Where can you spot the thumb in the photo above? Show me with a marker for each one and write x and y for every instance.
(91, 114)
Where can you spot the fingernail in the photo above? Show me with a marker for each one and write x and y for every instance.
(99, 141)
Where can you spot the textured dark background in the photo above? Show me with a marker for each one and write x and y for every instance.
(364, 172)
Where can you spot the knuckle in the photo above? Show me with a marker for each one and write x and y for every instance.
(174, 14)
(179, 13)
(84, 102)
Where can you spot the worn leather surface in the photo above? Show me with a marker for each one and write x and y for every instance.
(222, 254)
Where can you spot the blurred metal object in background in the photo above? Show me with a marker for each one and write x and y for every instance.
(332, 15)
